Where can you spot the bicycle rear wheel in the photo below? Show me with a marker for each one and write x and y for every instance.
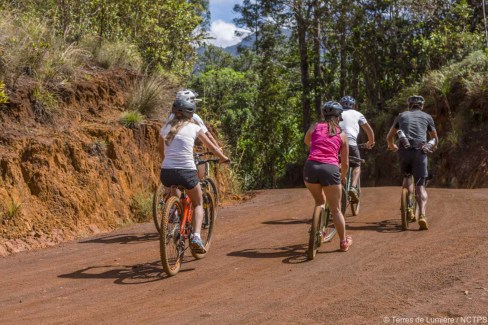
(171, 244)
(158, 206)
(329, 230)
(315, 236)
(404, 209)
(344, 201)
(208, 223)
(355, 205)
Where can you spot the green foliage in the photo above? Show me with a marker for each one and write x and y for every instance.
(3, 95)
(131, 119)
(146, 95)
(162, 31)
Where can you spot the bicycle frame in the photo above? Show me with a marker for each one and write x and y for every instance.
(185, 227)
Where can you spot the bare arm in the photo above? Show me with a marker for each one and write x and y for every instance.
(161, 148)
(433, 135)
(344, 157)
(215, 149)
(389, 139)
(212, 139)
(369, 132)
(308, 135)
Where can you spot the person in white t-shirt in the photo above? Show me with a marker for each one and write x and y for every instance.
(191, 96)
(352, 122)
(176, 141)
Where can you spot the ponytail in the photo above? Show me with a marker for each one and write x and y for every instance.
(333, 124)
(176, 124)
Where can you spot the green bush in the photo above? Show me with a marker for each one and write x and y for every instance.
(131, 119)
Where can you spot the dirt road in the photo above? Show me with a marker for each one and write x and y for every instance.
(256, 271)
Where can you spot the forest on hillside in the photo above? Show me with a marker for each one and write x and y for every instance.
(261, 101)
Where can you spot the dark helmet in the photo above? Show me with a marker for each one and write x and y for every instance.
(332, 108)
(415, 101)
(184, 107)
(348, 102)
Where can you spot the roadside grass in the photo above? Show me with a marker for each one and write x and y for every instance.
(131, 119)
(141, 206)
(109, 55)
(146, 96)
(11, 211)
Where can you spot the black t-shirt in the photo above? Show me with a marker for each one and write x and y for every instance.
(415, 125)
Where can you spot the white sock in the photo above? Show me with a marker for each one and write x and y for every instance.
(196, 234)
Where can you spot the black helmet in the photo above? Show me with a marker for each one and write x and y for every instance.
(332, 108)
(415, 101)
(184, 107)
(348, 102)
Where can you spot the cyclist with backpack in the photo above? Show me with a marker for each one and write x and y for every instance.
(352, 122)
(412, 128)
(176, 142)
(322, 174)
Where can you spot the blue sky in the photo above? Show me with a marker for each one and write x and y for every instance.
(222, 26)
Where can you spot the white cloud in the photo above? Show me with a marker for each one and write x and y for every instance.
(223, 34)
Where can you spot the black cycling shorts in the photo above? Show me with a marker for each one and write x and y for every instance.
(354, 152)
(413, 162)
(187, 178)
(316, 172)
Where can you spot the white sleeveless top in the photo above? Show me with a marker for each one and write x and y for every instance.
(179, 153)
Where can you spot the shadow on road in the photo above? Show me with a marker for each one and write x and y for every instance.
(293, 254)
(288, 222)
(386, 226)
(123, 274)
(122, 239)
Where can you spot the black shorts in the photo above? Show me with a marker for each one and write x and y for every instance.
(354, 152)
(315, 172)
(413, 162)
(187, 178)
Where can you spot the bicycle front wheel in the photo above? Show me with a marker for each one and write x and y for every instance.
(404, 209)
(158, 206)
(344, 201)
(329, 230)
(315, 237)
(171, 244)
(208, 223)
(355, 205)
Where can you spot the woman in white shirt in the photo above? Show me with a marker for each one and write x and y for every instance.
(176, 141)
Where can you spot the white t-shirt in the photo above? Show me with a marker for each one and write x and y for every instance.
(351, 120)
(179, 153)
(196, 118)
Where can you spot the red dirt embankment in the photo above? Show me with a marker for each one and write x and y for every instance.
(73, 171)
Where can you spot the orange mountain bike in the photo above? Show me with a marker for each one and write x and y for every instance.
(176, 229)
(207, 184)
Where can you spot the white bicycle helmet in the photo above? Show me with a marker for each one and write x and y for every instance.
(188, 95)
